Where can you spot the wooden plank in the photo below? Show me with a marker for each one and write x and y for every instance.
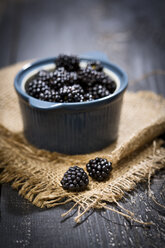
(9, 29)
(45, 228)
(6, 31)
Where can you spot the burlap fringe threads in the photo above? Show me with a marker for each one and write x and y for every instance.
(147, 167)
(45, 194)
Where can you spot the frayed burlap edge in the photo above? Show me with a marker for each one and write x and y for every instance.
(14, 154)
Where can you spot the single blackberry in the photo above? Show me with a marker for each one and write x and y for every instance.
(70, 63)
(37, 88)
(75, 179)
(105, 80)
(42, 75)
(72, 93)
(58, 78)
(99, 168)
(87, 76)
(95, 65)
(61, 77)
(98, 91)
(111, 86)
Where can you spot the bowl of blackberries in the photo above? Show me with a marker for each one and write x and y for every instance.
(71, 104)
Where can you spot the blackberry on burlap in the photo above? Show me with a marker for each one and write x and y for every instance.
(99, 168)
(75, 179)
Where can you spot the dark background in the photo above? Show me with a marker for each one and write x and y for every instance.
(132, 34)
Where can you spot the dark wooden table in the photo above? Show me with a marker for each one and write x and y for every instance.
(132, 34)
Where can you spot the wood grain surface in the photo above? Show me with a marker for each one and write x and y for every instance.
(131, 33)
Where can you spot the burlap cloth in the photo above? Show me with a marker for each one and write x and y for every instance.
(36, 174)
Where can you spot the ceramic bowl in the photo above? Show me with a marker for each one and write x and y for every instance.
(71, 128)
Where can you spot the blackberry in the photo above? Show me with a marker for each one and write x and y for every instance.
(95, 65)
(41, 90)
(58, 78)
(106, 81)
(111, 86)
(88, 97)
(70, 63)
(42, 75)
(75, 179)
(72, 93)
(99, 91)
(99, 168)
(61, 77)
(38, 89)
(89, 78)
(87, 75)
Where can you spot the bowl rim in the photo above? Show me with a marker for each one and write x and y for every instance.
(36, 103)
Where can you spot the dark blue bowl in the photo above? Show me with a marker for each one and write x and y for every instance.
(71, 128)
